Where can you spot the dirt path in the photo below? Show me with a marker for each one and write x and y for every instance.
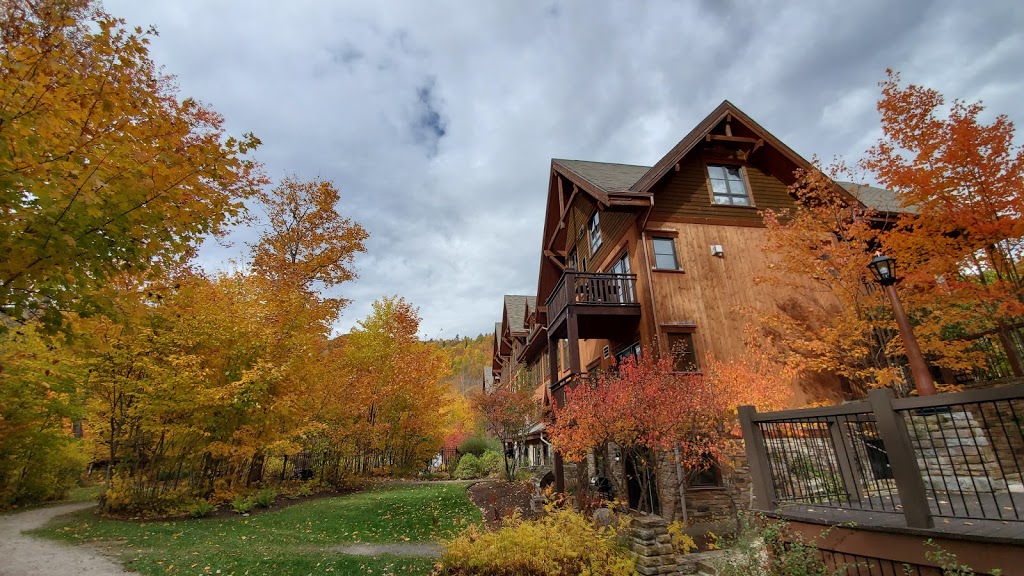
(22, 555)
(424, 549)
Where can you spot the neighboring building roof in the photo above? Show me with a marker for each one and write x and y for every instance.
(607, 176)
(515, 308)
(877, 198)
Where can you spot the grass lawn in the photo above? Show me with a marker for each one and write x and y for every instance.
(285, 542)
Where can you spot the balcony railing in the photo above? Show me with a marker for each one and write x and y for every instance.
(589, 288)
(948, 456)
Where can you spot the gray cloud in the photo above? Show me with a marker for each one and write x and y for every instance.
(438, 120)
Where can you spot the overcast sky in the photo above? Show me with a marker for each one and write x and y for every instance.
(438, 120)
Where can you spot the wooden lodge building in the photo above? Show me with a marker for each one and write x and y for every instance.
(641, 259)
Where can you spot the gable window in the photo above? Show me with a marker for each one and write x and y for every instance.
(665, 254)
(594, 230)
(728, 185)
(684, 356)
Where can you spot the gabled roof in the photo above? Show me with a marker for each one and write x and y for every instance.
(724, 110)
(607, 176)
(515, 312)
(877, 198)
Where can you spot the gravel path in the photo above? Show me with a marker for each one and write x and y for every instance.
(22, 555)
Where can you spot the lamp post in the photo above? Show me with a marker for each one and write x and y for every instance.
(884, 269)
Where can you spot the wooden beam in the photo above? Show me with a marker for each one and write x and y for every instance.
(561, 195)
(554, 258)
(678, 167)
(728, 126)
(737, 139)
(568, 203)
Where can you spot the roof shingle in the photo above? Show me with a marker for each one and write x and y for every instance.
(606, 176)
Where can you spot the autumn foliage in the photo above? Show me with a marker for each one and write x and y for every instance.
(653, 413)
(104, 169)
(508, 412)
(955, 230)
(178, 383)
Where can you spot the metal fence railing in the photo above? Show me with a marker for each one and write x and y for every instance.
(955, 455)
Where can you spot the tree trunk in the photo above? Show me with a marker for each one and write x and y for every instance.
(1012, 353)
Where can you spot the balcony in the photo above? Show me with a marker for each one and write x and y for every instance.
(601, 305)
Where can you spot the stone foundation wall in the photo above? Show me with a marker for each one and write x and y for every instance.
(702, 504)
(955, 453)
(650, 542)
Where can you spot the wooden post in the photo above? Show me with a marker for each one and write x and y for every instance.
(757, 459)
(845, 453)
(573, 341)
(902, 459)
(556, 464)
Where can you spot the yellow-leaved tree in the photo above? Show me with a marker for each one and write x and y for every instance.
(103, 167)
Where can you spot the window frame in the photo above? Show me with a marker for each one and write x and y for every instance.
(634, 349)
(724, 164)
(594, 226)
(675, 254)
(715, 468)
(678, 331)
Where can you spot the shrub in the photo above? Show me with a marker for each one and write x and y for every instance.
(763, 548)
(298, 490)
(242, 504)
(477, 445)
(562, 542)
(265, 498)
(136, 496)
(40, 472)
(491, 463)
(682, 542)
(469, 467)
(202, 509)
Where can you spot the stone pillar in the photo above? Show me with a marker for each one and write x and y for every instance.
(650, 541)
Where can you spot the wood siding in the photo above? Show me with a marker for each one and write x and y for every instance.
(685, 194)
(719, 295)
(614, 224)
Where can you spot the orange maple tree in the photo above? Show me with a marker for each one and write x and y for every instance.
(653, 413)
(508, 412)
(961, 183)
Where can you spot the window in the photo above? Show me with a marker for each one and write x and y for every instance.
(631, 351)
(665, 254)
(680, 345)
(708, 476)
(594, 229)
(620, 289)
(621, 266)
(570, 262)
(728, 185)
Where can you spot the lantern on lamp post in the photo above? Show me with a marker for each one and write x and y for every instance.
(884, 270)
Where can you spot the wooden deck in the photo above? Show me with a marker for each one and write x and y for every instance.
(1002, 531)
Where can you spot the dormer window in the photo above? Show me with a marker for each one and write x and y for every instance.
(728, 185)
(594, 230)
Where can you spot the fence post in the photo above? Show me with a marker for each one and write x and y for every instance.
(902, 459)
(757, 459)
(845, 458)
